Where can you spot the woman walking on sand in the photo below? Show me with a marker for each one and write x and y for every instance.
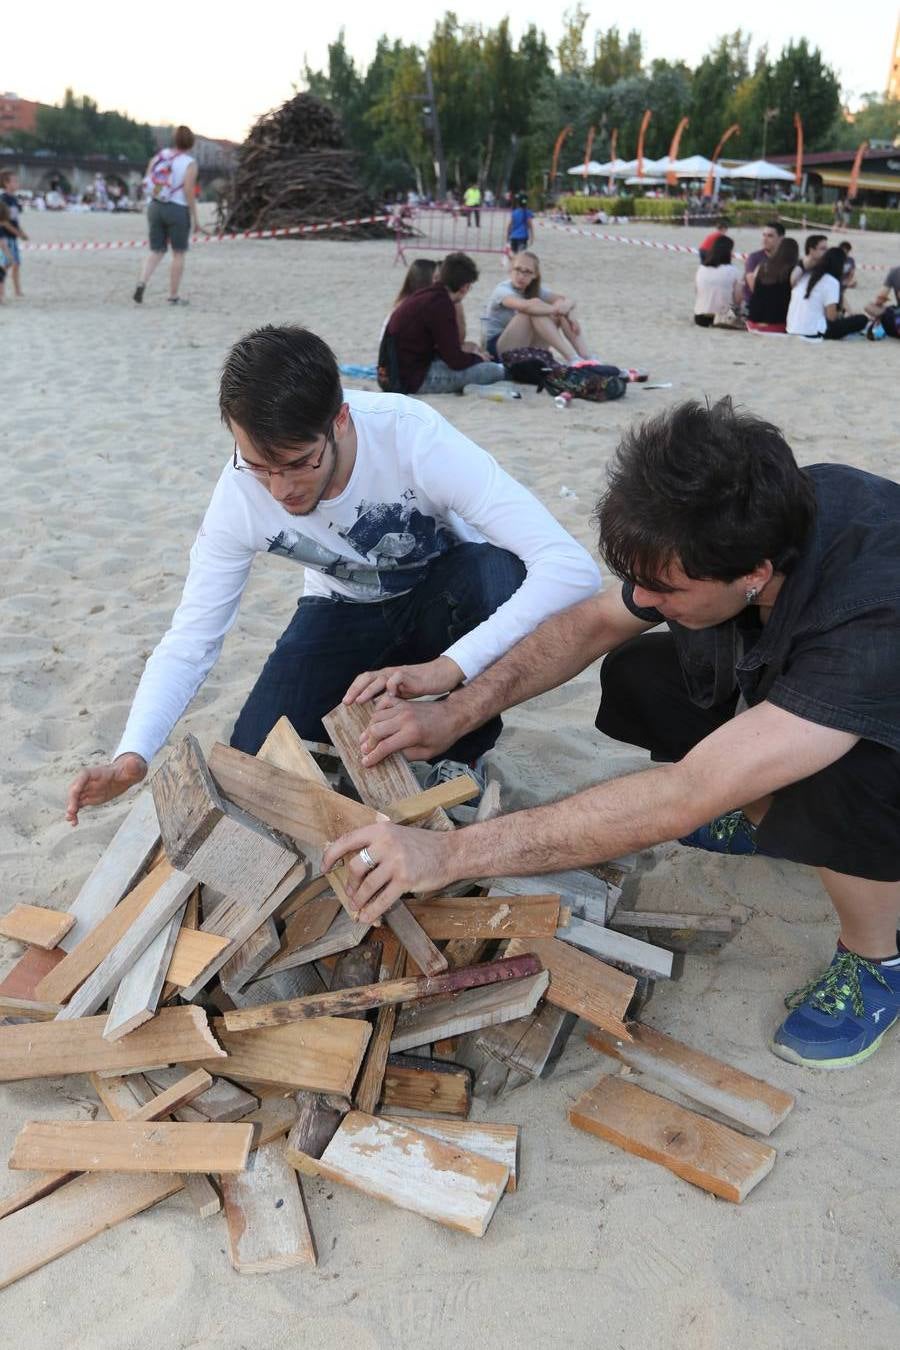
(169, 184)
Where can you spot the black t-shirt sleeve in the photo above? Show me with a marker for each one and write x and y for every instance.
(649, 615)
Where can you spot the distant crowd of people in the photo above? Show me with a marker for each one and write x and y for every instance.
(780, 291)
(423, 347)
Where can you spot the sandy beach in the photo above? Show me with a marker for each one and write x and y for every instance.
(112, 444)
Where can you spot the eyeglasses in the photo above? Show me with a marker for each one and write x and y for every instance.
(296, 466)
(526, 271)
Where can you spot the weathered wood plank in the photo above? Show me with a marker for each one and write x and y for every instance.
(323, 1055)
(529, 1046)
(249, 959)
(371, 1078)
(268, 1227)
(500, 1143)
(579, 890)
(581, 984)
(80, 962)
(204, 1196)
(24, 978)
(194, 950)
(138, 993)
(36, 925)
(130, 1146)
(188, 806)
(419, 945)
(739, 1096)
(701, 1151)
(49, 1049)
(415, 1171)
(28, 1009)
(338, 1002)
(220, 1101)
(454, 1014)
(307, 924)
(489, 916)
(426, 1085)
(92, 1203)
(165, 904)
(642, 957)
(116, 871)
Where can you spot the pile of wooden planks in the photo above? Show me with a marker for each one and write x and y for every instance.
(221, 994)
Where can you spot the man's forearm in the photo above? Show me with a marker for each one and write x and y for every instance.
(560, 648)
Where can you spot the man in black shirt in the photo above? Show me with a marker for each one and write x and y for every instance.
(771, 704)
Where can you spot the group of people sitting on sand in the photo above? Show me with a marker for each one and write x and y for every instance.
(423, 347)
(781, 292)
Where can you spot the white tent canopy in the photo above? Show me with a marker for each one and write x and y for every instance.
(593, 170)
(695, 166)
(758, 170)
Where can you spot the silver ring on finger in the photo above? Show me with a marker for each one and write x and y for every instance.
(366, 859)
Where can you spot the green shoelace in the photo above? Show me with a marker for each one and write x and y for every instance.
(734, 822)
(829, 993)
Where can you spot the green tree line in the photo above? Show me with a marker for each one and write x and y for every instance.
(501, 104)
(78, 127)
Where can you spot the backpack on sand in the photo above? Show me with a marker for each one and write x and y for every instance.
(588, 379)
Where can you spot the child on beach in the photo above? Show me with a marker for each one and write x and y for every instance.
(10, 229)
(520, 234)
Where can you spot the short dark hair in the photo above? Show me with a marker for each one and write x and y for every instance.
(719, 252)
(457, 270)
(775, 225)
(282, 386)
(846, 246)
(813, 241)
(183, 138)
(714, 489)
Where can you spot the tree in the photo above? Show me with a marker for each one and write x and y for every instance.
(802, 83)
(877, 120)
(571, 53)
(614, 61)
(715, 82)
(77, 127)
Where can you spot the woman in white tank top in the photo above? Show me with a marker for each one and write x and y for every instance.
(170, 183)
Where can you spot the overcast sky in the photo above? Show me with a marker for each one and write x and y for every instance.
(218, 67)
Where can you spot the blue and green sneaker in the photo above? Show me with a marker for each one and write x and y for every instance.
(840, 1018)
(731, 833)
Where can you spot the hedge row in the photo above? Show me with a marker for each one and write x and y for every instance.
(738, 212)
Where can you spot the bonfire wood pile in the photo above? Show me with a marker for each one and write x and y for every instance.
(221, 995)
(293, 170)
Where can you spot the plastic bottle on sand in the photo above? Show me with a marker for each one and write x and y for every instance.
(563, 400)
(496, 393)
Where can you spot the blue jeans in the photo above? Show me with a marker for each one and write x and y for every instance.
(330, 641)
(440, 379)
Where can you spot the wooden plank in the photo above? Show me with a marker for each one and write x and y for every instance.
(239, 922)
(379, 784)
(426, 1085)
(95, 1202)
(739, 1096)
(28, 1009)
(249, 959)
(416, 808)
(417, 942)
(701, 1151)
(307, 924)
(50, 1049)
(165, 904)
(23, 979)
(490, 916)
(695, 933)
(268, 1227)
(415, 1171)
(204, 1196)
(317, 1120)
(311, 891)
(500, 1143)
(339, 1002)
(130, 1146)
(304, 811)
(138, 993)
(194, 950)
(186, 1088)
(579, 890)
(323, 1055)
(530, 1045)
(641, 957)
(581, 984)
(188, 806)
(220, 1101)
(116, 872)
(343, 934)
(36, 925)
(356, 969)
(454, 1014)
(70, 973)
(371, 1078)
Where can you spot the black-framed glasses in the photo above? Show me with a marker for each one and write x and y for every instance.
(296, 466)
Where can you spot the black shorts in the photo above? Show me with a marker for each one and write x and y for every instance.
(518, 245)
(845, 817)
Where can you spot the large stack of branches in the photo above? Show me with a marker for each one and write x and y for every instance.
(293, 170)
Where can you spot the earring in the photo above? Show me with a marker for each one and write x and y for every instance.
(750, 595)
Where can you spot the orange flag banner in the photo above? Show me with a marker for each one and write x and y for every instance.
(640, 148)
(613, 142)
(671, 176)
(556, 149)
(798, 171)
(733, 130)
(853, 186)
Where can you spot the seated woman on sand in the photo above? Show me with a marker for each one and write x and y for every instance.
(523, 313)
(419, 274)
(770, 289)
(816, 299)
(719, 287)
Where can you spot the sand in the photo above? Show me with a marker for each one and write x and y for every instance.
(111, 446)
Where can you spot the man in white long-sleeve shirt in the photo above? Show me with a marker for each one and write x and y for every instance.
(424, 561)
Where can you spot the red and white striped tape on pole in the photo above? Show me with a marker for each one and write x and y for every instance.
(93, 246)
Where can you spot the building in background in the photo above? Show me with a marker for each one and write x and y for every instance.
(17, 114)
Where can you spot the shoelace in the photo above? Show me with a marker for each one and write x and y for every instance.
(829, 992)
(726, 827)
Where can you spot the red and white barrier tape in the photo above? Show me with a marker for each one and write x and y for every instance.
(656, 243)
(96, 245)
